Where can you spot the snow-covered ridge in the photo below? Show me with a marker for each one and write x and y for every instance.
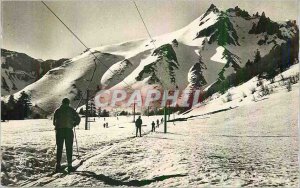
(221, 39)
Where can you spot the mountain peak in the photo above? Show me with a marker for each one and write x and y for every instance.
(237, 11)
(213, 8)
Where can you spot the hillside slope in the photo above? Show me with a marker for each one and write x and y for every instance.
(19, 70)
(224, 41)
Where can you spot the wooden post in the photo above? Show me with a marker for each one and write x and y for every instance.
(133, 112)
(169, 110)
(165, 119)
(87, 110)
(165, 116)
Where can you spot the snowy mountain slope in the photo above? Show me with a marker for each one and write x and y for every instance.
(224, 40)
(69, 79)
(248, 93)
(258, 147)
(117, 69)
(19, 70)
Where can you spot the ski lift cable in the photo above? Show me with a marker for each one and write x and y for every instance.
(144, 23)
(64, 24)
(146, 30)
(88, 49)
(96, 58)
(81, 98)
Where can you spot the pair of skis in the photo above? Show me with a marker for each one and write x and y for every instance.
(64, 168)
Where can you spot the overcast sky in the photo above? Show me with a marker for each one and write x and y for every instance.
(30, 28)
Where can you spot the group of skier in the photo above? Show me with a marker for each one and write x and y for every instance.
(139, 122)
(105, 125)
(65, 119)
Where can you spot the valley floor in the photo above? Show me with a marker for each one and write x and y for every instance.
(255, 144)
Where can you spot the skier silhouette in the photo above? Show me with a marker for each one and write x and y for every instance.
(65, 118)
(153, 126)
(157, 122)
(138, 124)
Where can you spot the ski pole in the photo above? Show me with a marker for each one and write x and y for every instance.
(76, 142)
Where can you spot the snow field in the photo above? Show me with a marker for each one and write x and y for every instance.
(255, 144)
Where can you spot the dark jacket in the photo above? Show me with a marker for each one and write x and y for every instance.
(65, 117)
(138, 122)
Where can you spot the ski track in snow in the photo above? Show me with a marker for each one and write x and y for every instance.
(257, 147)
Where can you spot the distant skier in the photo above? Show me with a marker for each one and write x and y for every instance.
(153, 126)
(65, 118)
(106, 124)
(162, 119)
(138, 124)
(157, 123)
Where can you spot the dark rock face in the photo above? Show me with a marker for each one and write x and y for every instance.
(167, 59)
(265, 25)
(19, 67)
(221, 32)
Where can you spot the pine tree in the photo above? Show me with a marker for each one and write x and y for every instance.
(197, 80)
(105, 113)
(257, 57)
(92, 112)
(175, 43)
(99, 112)
(24, 102)
(11, 105)
(248, 64)
(3, 111)
(81, 111)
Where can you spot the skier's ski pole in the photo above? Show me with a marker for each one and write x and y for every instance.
(76, 142)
